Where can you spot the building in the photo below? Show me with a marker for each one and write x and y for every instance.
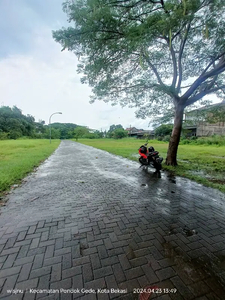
(133, 131)
(139, 133)
(206, 121)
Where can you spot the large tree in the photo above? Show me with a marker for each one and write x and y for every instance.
(13, 124)
(154, 55)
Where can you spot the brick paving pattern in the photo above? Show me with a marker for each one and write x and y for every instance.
(87, 222)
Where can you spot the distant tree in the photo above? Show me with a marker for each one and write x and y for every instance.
(99, 134)
(15, 124)
(66, 129)
(40, 128)
(112, 128)
(16, 111)
(94, 135)
(119, 133)
(41, 122)
(30, 119)
(69, 134)
(80, 132)
(90, 135)
(163, 130)
(55, 133)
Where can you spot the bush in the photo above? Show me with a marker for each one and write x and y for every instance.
(164, 130)
(185, 142)
(119, 133)
(26, 138)
(15, 134)
(4, 135)
(90, 136)
(193, 138)
(212, 140)
(166, 138)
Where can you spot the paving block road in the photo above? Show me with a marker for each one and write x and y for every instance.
(91, 225)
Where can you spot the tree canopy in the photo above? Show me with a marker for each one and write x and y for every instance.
(164, 129)
(66, 129)
(114, 127)
(80, 131)
(14, 124)
(157, 56)
(119, 133)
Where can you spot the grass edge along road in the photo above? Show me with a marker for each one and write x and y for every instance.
(20, 157)
(204, 164)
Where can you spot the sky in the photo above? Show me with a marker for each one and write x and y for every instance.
(40, 79)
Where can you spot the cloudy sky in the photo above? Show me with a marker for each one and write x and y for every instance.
(40, 79)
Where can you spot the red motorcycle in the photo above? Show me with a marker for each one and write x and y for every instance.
(150, 157)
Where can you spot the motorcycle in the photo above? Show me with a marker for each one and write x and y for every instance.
(150, 157)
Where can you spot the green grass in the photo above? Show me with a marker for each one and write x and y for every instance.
(203, 163)
(19, 157)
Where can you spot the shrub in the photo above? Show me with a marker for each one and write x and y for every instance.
(4, 135)
(212, 140)
(185, 142)
(90, 136)
(119, 133)
(166, 138)
(164, 130)
(193, 138)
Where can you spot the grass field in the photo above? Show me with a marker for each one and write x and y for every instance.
(203, 163)
(19, 157)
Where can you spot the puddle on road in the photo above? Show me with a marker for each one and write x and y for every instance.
(39, 175)
(113, 175)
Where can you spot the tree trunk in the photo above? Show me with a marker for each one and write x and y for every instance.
(175, 137)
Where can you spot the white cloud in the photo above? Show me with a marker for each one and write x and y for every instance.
(45, 81)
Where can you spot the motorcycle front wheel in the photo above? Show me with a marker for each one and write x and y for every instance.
(143, 161)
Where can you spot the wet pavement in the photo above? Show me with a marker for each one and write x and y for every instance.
(91, 225)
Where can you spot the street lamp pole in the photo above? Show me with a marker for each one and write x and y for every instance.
(50, 125)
